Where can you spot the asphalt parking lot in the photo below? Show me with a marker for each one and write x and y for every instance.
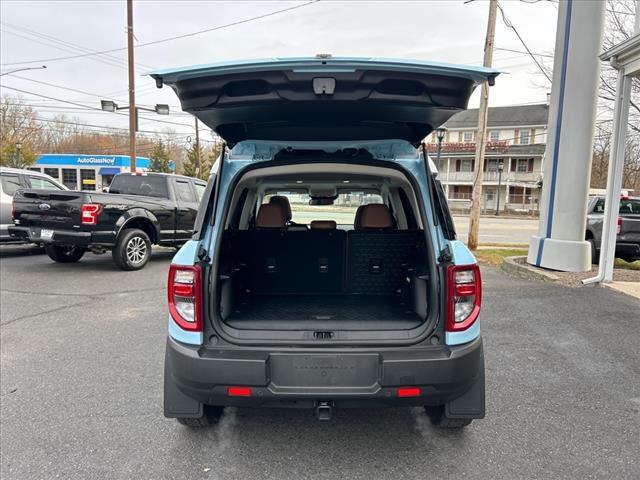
(81, 390)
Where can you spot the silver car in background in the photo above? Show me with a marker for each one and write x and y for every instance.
(13, 179)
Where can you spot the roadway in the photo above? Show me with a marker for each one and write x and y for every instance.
(82, 349)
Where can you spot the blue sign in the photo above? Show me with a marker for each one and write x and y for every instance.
(76, 160)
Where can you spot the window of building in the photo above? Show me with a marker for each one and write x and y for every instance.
(184, 192)
(88, 178)
(494, 135)
(492, 165)
(70, 178)
(34, 169)
(467, 136)
(523, 165)
(52, 172)
(10, 183)
(39, 183)
(490, 195)
(460, 192)
(525, 137)
(464, 165)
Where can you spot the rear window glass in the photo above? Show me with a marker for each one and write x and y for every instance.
(149, 185)
(628, 206)
(343, 210)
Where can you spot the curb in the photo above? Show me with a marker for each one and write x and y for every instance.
(518, 267)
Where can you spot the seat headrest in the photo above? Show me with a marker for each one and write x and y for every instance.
(323, 225)
(373, 216)
(271, 215)
(284, 204)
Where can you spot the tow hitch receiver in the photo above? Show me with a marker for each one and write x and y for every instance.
(324, 410)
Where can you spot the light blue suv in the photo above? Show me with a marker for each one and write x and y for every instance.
(324, 271)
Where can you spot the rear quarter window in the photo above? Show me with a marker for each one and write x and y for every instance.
(39, 183)
(10, 184)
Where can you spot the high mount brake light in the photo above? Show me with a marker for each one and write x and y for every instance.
(464, 296)
(185, 297)
(89, 213)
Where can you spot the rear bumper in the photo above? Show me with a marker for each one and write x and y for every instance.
(63, 237)
(452, 376)
(627, 249)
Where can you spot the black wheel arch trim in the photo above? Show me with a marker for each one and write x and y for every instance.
(138, 214)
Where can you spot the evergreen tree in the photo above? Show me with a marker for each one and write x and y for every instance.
(189, 166)
(160, 158)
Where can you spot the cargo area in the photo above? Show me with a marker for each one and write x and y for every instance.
(324, 280)
(324, 248)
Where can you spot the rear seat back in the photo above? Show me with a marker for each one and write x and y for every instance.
(378, 261)
(283, 261)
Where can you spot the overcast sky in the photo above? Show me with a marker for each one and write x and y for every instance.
(449, 31)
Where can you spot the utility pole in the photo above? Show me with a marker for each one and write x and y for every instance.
(133, 111)
(197, 152)
(481, 136)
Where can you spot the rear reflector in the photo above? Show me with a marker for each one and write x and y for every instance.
(404, 392)
(239, 391)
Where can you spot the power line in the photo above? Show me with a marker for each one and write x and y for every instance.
(168, 39)
(91, 108)
(100, 60)
(525, 53)
(120, 62)
(508, 23)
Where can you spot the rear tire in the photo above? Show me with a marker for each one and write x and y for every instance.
(210, 418)
(133, 249)
(62, 254)
(595, 255)
(438, 419)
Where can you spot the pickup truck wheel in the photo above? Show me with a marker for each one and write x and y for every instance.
(438, 419)
(62, 254)
(133, 249)
(210, 418)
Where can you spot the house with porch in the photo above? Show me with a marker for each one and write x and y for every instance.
(516, 138)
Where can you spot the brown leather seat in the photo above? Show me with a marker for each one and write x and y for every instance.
(375, 216)
(284, 204)
(271, 216)
(323, 225)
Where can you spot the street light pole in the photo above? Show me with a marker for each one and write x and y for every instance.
(197, 152)
(500, 168)
(440, 133)
(133, 112)
(18, 151)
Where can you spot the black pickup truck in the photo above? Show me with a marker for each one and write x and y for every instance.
(140, 209)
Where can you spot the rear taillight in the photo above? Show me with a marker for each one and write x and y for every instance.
(185, 298)
(89, 213)
(464, 296)
(619, 227)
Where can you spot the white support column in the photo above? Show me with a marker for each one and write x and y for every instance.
(560, 243)
(626, 58)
